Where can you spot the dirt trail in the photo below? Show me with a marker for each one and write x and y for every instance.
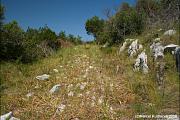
(92, 87)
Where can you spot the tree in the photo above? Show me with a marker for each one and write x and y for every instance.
(125, 6)
(62, 35)
(150, 7)
(47, 34)
(94, 25)
(11, 45)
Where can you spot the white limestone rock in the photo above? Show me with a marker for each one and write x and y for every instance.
(157, 50)
(43, 77)
(170, 32)
(140, 47)
(133, 48)
(55, 70)
(170, 48)
(29, 94)
(6, 116)
(83, 85)
(55, 88)
(70, 94)
(141, 63)
(61, 107)
(157, 39)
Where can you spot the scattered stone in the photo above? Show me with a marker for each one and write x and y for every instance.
(55, 88)
(100, 100)
(55, 70)
(141, 63)
(29, 94)
(83, 85)
(90, 67)
(170, 32)
(6, 116)
(70, 94)
(43, 77)
(37, 86)
(61, 107)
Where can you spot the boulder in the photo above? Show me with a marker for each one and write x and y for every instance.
(141, 63)
(55, 88)
(157, 50)
(6, 116)
(43, 77)
(170, 48)
(133, 48)
(170, 32)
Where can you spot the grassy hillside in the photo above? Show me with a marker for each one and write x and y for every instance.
(95, 84)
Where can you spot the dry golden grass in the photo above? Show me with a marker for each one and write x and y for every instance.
(111, 89)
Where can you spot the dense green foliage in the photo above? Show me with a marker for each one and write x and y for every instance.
(94, 26)
(129, 20)
(126, 21)
(26, 46)
(70, 38)
(32, 44)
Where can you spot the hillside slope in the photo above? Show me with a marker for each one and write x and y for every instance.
(94, 84)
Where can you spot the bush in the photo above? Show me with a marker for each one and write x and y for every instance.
(12, 41)
(26, 46)
(126, 21)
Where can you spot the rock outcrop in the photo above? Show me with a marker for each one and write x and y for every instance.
(141, 63)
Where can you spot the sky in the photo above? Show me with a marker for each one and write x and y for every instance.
(59, 15)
